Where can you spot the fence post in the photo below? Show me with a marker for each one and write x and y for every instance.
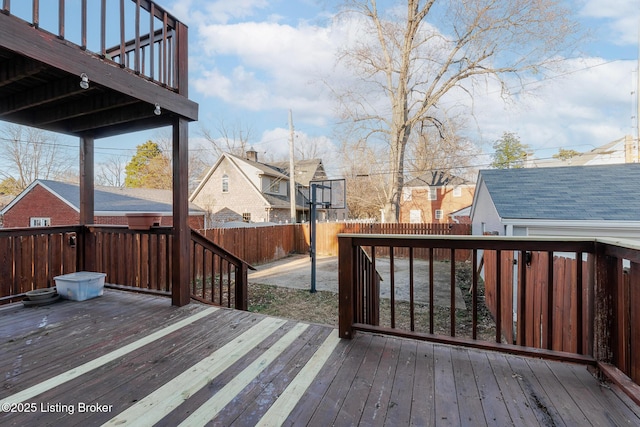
(346, 263)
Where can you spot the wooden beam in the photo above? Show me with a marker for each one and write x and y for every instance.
(18, 68)
(39, 96)
(181, 231)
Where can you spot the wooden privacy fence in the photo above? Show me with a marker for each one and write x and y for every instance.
(262, 244)
(544, 298)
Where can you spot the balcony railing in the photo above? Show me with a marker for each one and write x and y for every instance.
(569, 299)
(137, 260)
(135, 34)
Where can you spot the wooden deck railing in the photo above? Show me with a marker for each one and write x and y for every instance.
(570, 299)
(217, 276)
(135, 34)
(137, 260)
(35, 256)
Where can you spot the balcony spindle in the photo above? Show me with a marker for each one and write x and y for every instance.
(498, 296)
(36, 13)
(431, 293)
(103, 28)
(474, 294)
(412, 314)
(550, 301)
(136, 54)
(83, 25)
(61, 19)
(452, 278)
(579, 305)
(392, 287)
(123, 54)
(152, 40)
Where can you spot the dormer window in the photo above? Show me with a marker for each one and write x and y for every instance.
(274, 185)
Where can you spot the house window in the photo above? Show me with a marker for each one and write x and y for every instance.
(225, 183)
(246, 217)
(415, 216)
(40, 222)
(457, 192)
(438, 213)
(274, 185)
(433, 194)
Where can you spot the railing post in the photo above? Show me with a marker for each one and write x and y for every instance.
(346, 263)
(241, 288)
(603, 305)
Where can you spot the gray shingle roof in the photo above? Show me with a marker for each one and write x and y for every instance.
(602, 192)
(114, 200)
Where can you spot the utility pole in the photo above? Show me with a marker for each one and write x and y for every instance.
(292, 175)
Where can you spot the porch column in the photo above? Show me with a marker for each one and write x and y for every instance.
(87, 249)
(181, 232)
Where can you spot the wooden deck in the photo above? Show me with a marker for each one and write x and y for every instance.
(128, 359)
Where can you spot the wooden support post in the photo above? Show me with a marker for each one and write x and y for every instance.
(181, 232)
(346, 279)
(87, 250)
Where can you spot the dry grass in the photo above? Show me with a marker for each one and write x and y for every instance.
(322, 307)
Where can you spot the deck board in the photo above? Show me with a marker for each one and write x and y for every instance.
(190, 373)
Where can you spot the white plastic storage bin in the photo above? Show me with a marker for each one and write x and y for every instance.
(81, 285)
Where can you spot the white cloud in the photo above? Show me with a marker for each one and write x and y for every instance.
(269, 65)
(623, 17)
(587, 107)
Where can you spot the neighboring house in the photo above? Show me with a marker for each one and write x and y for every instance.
(623, 150)
(432, 197)
(461, 216)
(244, 189)
(51, 203)
(4, 201)
(600, 200)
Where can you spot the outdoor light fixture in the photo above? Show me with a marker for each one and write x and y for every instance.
(157, 111)
(84, 82)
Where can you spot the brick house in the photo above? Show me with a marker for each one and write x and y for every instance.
(244, 189)
(52, 203)
(433, 197)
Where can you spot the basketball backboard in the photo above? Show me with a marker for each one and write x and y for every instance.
(330, 193)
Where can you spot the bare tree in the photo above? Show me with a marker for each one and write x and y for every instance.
(406, 65)
(365, 184)
(111, 172)
(29, 154)
(228, 138)
(448, 152)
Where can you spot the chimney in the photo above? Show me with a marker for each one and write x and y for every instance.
(252, 155)
(630, 150)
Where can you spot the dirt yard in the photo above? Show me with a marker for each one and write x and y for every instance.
(282, 289)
